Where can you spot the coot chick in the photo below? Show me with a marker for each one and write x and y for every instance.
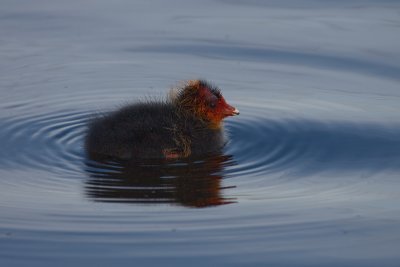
(188, 123)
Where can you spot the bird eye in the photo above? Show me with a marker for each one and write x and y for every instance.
(213, 101)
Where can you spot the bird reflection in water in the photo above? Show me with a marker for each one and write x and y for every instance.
(188, 182)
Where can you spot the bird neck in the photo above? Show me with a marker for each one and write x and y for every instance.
(215, 125)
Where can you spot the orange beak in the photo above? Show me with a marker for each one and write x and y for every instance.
(230, 111)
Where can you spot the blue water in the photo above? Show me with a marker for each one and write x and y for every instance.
(309, 177)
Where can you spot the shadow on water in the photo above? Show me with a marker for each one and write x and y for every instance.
(303, 147)
(190, 183)
(260, 54)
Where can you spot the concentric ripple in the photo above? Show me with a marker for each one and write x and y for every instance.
(258, 147)
(303, 146)
(49, 141)
(293, 165)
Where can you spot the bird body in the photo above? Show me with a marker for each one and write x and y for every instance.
(175, 128)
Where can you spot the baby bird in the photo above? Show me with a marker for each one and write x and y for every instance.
(188, 123)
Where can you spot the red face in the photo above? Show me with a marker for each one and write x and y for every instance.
(214, 107)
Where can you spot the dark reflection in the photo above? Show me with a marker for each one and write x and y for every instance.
(190, 182)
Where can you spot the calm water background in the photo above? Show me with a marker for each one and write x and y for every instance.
(310, 176)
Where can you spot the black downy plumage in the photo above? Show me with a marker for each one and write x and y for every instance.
(187, 124)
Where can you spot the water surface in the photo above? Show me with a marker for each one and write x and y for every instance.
(309, 177)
